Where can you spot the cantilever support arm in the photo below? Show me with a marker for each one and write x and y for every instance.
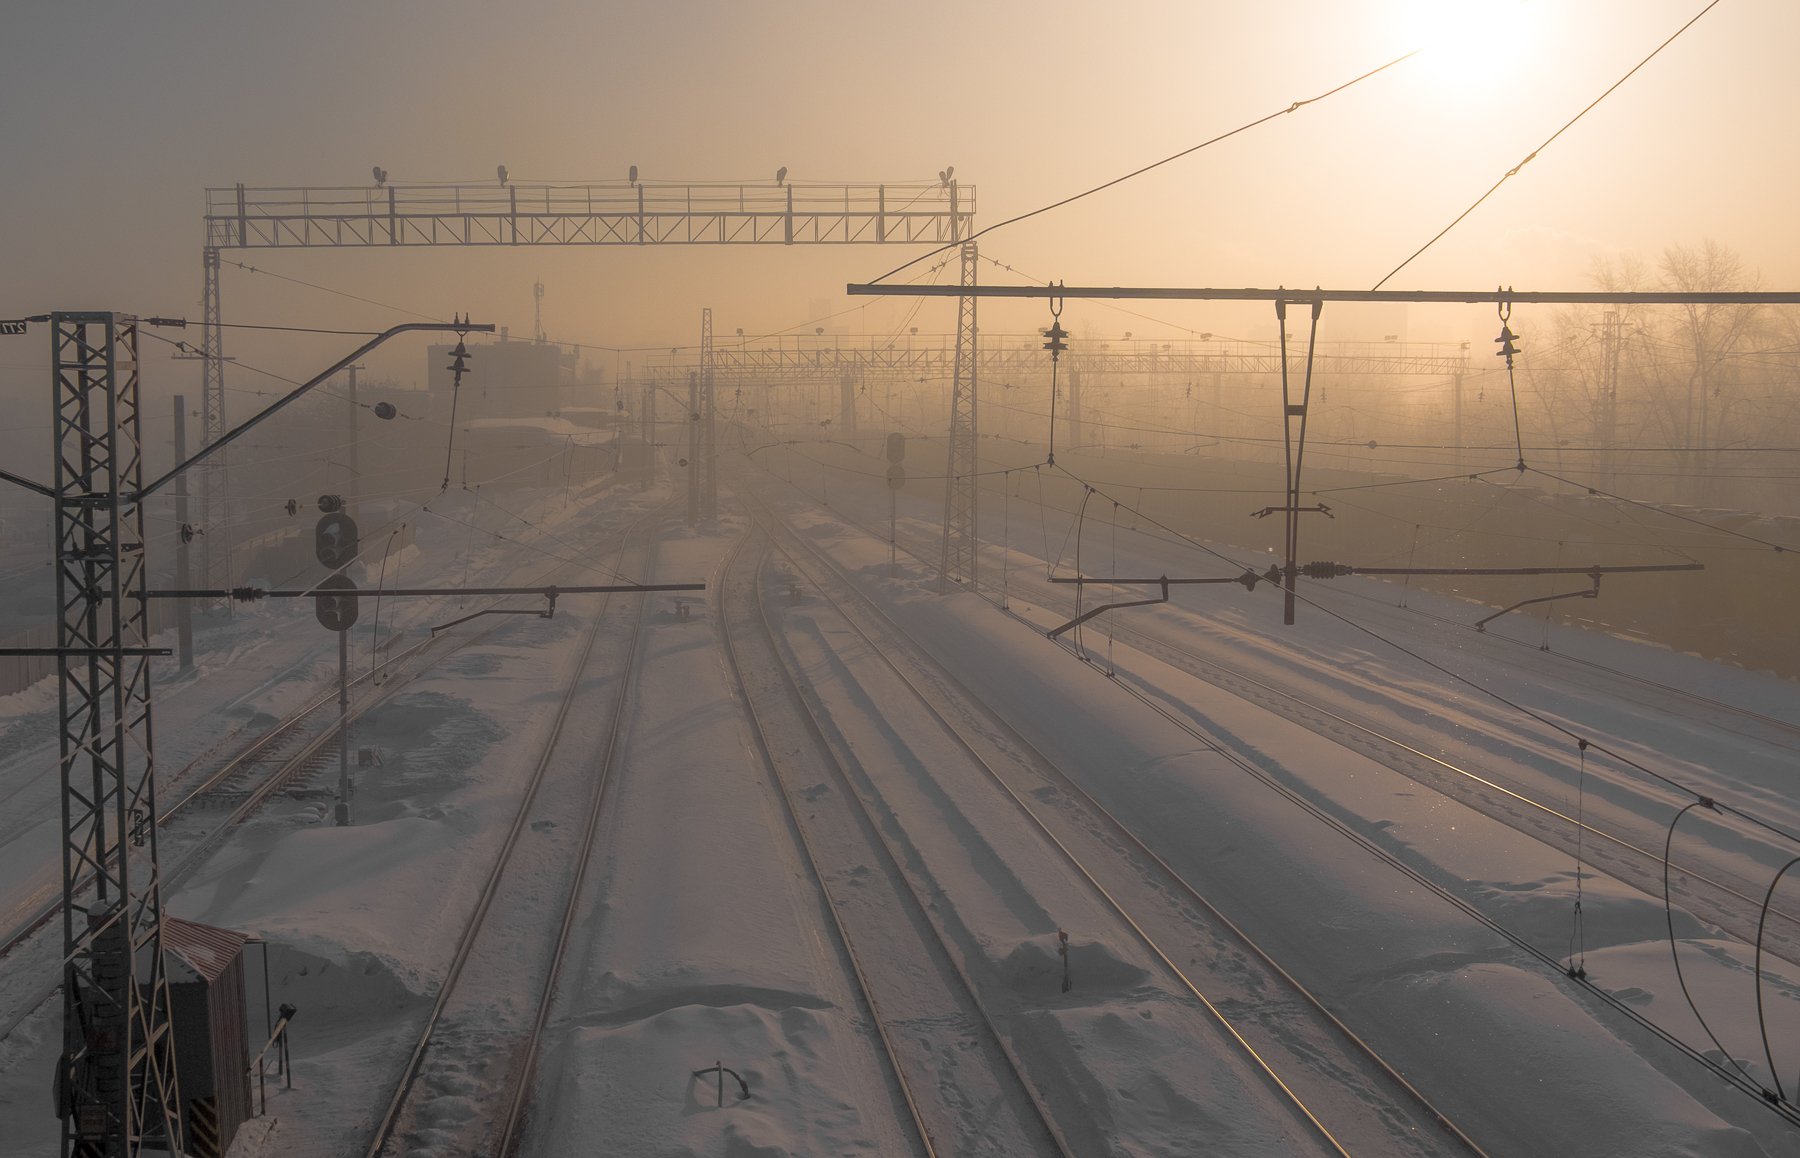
(40, 488)
(1591, 593)
(323, 375)
(545, 613)
(1087, 615)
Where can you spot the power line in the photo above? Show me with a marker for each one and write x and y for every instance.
(1295, 107)
(329, 290)
(1533, 154)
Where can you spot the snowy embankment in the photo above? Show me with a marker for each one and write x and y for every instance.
(703, 939)
(1410, 978)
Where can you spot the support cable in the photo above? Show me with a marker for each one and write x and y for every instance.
(1111, 670)
(1074, 523)
(1547, 142)
(1593, 490)
(1661, 778)
(329, 290)
(1577, 967)
(1621, 758)
(1005, 533)
(1762, 1022)
(1080, 589)
(1544, 640)
(1675, 955)
(375, 626)
(1411, 552)
(1245, 127)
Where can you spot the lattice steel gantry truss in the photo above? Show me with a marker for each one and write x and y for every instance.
(1014, 355)
(616, 213)
(958, 564)
(620, 213)
(116, 1080)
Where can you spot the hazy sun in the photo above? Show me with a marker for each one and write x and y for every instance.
(1468, 48)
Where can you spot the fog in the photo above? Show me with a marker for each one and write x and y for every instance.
(1670, 182)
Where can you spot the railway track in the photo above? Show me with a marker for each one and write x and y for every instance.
(1729, 1074)
(1715, 894)
(1652, 694)
(284, 758)
(454, 1048)
(1171, 712)
(836, 834)
(1320, 1059)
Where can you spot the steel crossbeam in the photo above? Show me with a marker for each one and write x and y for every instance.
(1019, 355)
(622, 213)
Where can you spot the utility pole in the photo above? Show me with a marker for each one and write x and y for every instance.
(649, 435)
(212, 417)
(847, 405)
(1456, 420)
(184, 615)
(1218, 407)
(709, 447)
(693, 443)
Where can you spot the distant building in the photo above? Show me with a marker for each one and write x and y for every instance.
(505, 379)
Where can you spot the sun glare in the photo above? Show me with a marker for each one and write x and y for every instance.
(1467, 48)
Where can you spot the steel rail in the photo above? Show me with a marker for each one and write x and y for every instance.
(1728, 1075)
(259, 747)
(759, 731)
(1153, 644)
(881, 844)
(1181, 884)
(324, 702)
(389, 1122)
(1789, 1114)
(512, 1122)
(1357, 1043)
(1719, 1070)
(197, 853)
(1496, 642)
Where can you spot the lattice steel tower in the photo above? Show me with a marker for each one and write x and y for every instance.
(116, 1085)
(958, 564)
(212, 422)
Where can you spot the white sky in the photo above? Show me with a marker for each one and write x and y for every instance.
(120, 115)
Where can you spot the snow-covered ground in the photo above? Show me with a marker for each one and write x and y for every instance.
(1431, 912)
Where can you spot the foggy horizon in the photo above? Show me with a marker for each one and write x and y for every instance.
(684, 699)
